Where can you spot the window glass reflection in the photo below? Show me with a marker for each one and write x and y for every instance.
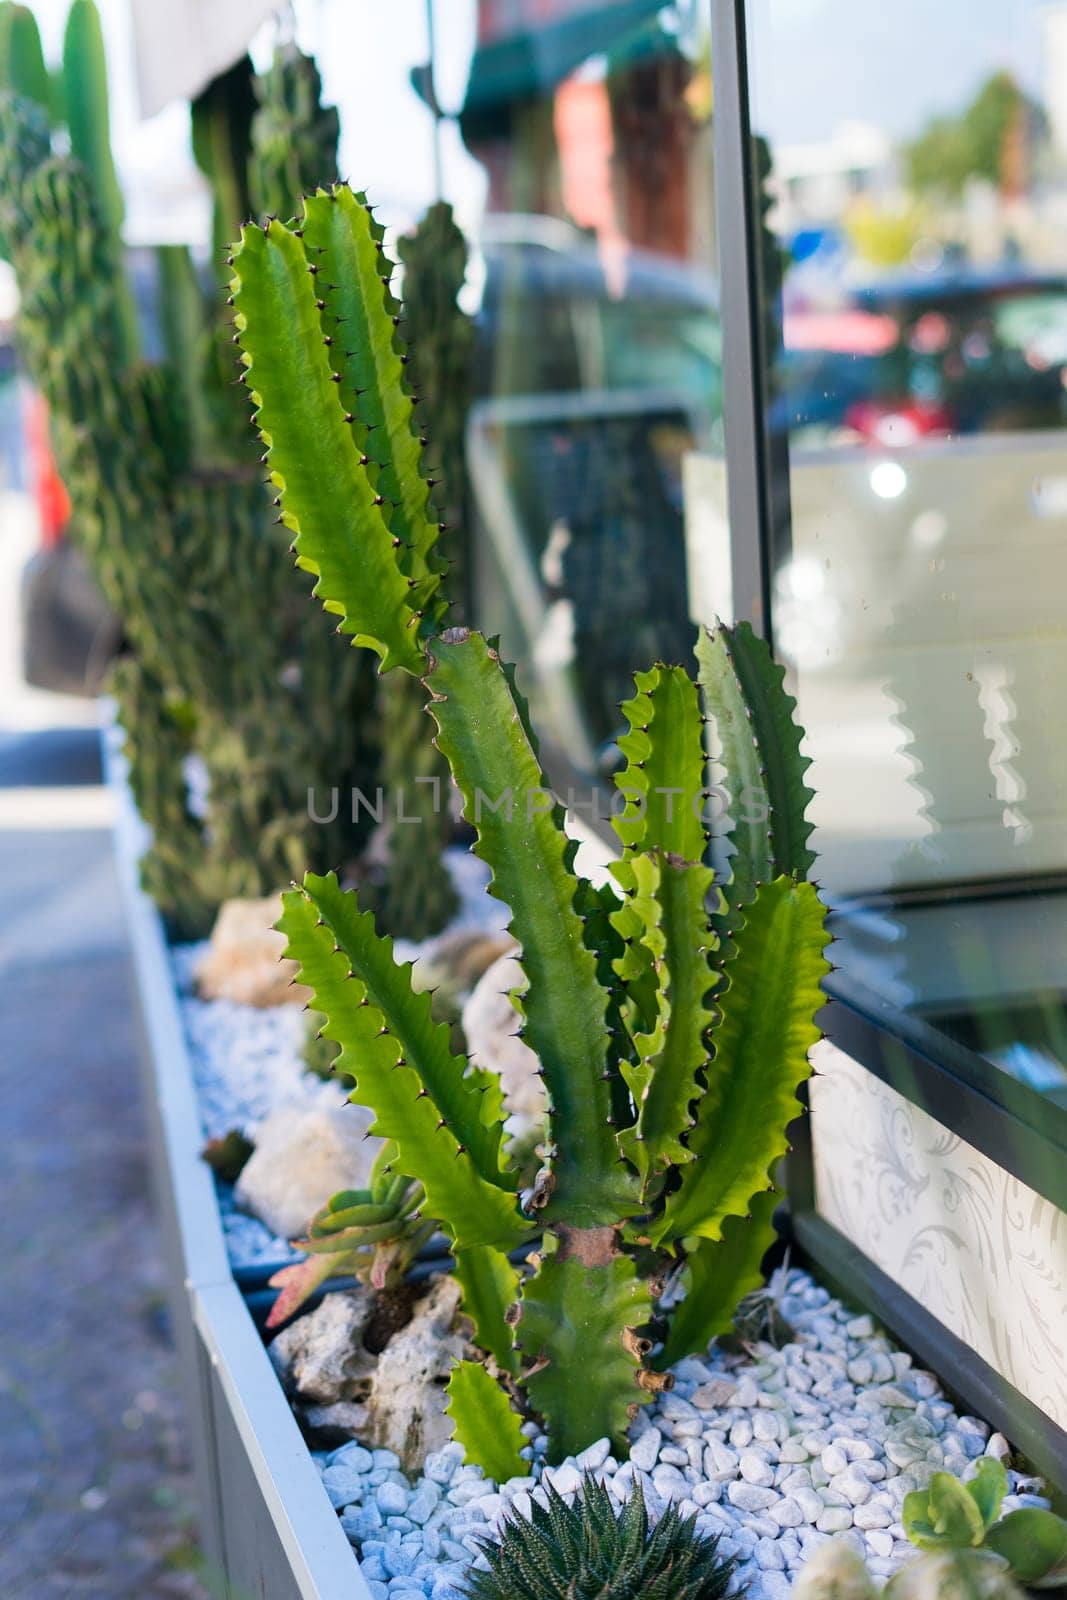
(918, 188)
(599, 365)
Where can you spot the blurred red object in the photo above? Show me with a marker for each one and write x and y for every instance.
(53, 502)
(897, 423)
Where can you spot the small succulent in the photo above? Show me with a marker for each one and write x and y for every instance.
(373, 1233)
(950, 1515)
(584, 1551)
(228, 1154)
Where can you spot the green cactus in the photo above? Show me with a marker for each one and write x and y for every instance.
(480, 1410)
(179, 533)
(22, 68)
(417, 897)
(293, 135)
(671, 1071)
(588, 1549)
(85, 105)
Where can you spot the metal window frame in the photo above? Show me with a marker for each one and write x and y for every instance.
(1005, 1120)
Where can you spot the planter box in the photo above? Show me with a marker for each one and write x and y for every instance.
(267, 1527)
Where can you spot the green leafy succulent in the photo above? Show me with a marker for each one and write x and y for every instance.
(585, 1550)
(373, 1233)
(950, 1515)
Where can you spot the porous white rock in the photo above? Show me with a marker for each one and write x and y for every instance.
(244, 959)
(301, 1158)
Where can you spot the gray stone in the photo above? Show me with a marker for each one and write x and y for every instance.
(769, 1557)
(353, 1456)
(424, 1502)
(342, 1484)
(643, 1451)
(360, 1522)
(593, 1456)
(713, 1396)
(747, 1497)
(442, 1465)
(406, 1406)
(321, 1357)
(301, 1158)
(391, 1500)
(566, 1479)
(787, 1513)
(834, 1519)
(756, 1469)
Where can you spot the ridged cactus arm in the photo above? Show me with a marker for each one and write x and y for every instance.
(402, 1064)
(664, 921)
(669, 900)
(579, 1326)
(294, 136)
(759, 745)
(490, 1284)
(326, 496)
(360, 315)
(484, 737)
(761, 1043)
(22, 68)
(662, 783)
(720, 1272)
(85, 103)
(484, 1422)
(442, 337)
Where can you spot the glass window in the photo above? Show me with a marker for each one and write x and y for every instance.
(917, 194)
(599, 354)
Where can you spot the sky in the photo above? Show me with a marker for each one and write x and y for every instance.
(819, 63)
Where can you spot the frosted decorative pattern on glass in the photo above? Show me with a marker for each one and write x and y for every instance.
(981, 1251)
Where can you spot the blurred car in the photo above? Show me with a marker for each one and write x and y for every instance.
(919, 354)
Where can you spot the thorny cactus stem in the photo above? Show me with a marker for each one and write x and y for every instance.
(670, 1057)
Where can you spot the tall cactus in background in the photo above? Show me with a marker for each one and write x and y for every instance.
(294, 136)
(417, 897)
(185, 549)
(670, 1059)
(85, 107)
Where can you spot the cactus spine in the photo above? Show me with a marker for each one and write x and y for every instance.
(670, 1070)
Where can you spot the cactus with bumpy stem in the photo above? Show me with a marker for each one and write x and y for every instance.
(187, 556)
(156, 745)
(294, 136)
(85, 106)
(671, 1073)
(590, 1550)
(417, 897)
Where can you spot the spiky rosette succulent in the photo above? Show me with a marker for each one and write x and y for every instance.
(584, 1551)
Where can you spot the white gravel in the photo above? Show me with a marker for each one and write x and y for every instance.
(247, 1061)
(820, 1439)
